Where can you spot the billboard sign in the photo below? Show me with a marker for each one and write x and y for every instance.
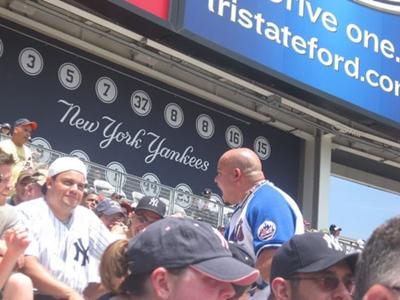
(344, 50)
(115, 117)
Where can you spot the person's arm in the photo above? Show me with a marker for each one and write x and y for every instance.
(46, 283)
(263, 262)
(7, 265)
(16, 242)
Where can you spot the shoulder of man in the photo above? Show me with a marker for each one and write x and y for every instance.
(32, 209)
(7, 145)
(8, 218)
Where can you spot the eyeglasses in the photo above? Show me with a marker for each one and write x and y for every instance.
(240, 290)
(330, 283)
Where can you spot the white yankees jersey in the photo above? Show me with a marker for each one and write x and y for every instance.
(72, 251)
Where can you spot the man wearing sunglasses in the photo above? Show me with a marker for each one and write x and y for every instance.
(148, 210)
(311, 266)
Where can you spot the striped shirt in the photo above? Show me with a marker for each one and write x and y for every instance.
(70, 251)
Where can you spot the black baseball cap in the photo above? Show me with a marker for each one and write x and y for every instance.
(333, 227)
(309, 252)
(153, 204)
(25, 122)
(240, 253)
(176, 243)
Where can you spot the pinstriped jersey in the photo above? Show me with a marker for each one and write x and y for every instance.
(70, 251)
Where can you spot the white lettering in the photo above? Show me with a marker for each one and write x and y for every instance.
(113, 132)
(74, 121)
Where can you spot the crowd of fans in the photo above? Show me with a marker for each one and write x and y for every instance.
(62, 240)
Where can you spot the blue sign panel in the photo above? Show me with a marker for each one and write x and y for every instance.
(335, 48)
(115, 117)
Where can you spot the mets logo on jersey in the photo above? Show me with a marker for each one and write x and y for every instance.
(266, 231)
(390, 6)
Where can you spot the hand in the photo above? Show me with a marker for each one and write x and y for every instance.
(17, 240)
(20, 262)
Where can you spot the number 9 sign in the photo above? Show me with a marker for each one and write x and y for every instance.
(150, 185)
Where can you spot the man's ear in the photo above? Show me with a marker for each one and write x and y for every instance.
(237, 173)
(281, 288)
(378, 292)
(49, 182)
(161, 283)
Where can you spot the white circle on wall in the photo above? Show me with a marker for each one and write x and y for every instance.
(116, 174)
(234, 136)
(141, 103)
(69, 76)
(173, 115)
(184, 200)
(1, 48)
(82, 155)
(106, 90)
(205, 126)
(262, 147)
(150, 185)
(31, 61)
(40, 150)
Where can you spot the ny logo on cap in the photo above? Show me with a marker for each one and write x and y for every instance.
(332, 242)
(153, 202)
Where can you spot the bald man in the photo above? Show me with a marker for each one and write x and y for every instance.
(264, 218)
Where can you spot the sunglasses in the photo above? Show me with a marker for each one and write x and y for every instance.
(329, 282)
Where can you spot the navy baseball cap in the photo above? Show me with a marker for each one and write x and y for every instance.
(309, 252)
(108, 207)
(152, 204)
(240, 253)
(26, 122)
(178, 242)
